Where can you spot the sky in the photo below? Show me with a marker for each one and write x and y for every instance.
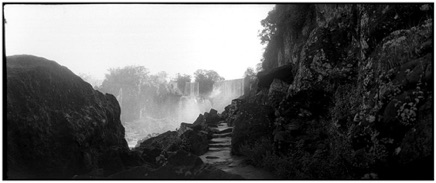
(175, 38)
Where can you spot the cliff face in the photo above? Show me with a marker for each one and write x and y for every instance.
(352, 88)
(57, 125)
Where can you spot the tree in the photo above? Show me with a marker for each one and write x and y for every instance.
(249, 73)
(90, 79)
(127, 84)
(249, 79)
(206, 79)
(182, 80)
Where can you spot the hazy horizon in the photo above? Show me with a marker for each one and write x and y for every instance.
(90, 39)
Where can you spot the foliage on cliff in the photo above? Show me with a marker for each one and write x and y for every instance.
(206, 79)
(358, 101)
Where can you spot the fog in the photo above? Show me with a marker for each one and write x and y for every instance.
(148, 110)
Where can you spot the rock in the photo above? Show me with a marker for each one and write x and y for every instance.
(199, 120)
(212, 118)
(283, 73)
(149, 154)
(153, 147)
(277, 91)
(252, 122)
(183, 158)
(359, 82)
(231, 110)
(58, 125)
(195, 142)
(213, 112)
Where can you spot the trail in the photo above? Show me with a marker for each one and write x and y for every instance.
(219, 155)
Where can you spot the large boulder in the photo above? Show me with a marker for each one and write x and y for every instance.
(195, 141)
(57, 125)
(283, 73)
(251, 122)
(152, 148)
(277, 91)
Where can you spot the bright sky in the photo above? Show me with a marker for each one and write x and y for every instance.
(174, 38)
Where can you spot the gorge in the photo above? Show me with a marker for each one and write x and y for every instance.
(345, 92)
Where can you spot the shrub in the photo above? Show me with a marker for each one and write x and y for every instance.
(256, 152)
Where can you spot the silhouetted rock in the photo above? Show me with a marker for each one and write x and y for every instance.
(199, 120)
(57, 125)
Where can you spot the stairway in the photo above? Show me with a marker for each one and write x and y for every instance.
(219, 155)
(219, 145)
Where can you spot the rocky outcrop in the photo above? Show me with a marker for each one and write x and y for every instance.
(58, 126)
(152, 148)
(195, 141)
(360, 85)
(282, 73)
(251, 122)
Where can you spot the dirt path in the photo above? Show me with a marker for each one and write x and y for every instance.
(219, 155)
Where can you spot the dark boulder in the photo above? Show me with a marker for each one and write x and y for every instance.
(283, 73)
(212, 117)
(151, 148)
(57, 125)
(199, 120)
(195, 141)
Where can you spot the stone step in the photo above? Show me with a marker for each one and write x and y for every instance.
(219, 149)
(220, 140)
(220, 145)
(222, 135)
(227, 130)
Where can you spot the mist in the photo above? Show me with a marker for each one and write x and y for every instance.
(151, 105)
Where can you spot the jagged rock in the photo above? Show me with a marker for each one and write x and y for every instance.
(277, 91)
(283, 73)
(199, 120)
(186, 126)
(195, 141)
(57, 125)
(212, 118)
(251, 123)
(231, 110)
(153, 147)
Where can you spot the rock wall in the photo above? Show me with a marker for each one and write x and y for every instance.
(57, 125)
(352, 90)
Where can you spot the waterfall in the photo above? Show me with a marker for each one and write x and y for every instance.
(225, 91)
(120, 96)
